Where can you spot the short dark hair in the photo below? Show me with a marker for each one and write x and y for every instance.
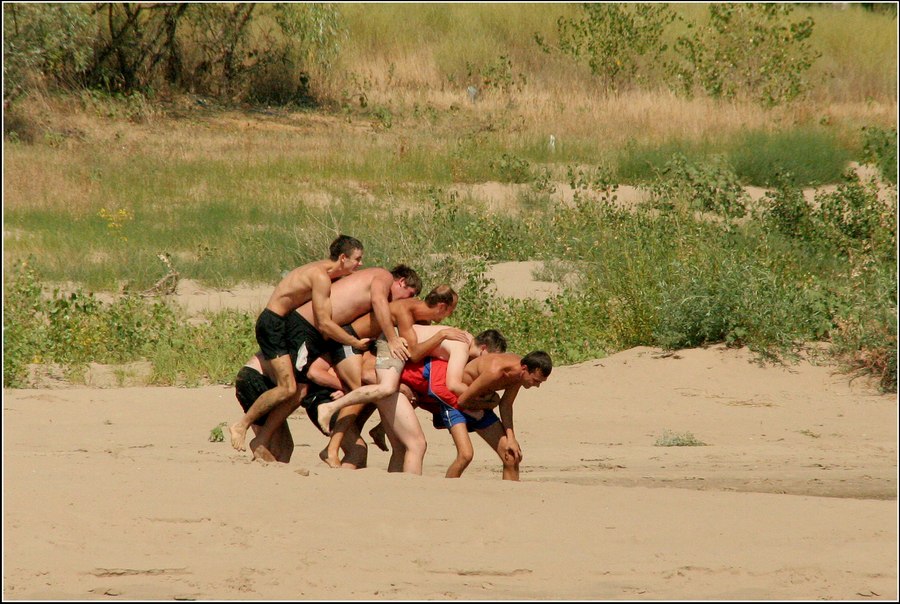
(401, 271)
(492, 340)
(538, 359)
(344, 244)
(441, 293)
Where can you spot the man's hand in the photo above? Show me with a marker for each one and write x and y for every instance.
(513, 450)
(362, 343)
(408, 393)
(337, 394)
(398, 348)
(452, 333)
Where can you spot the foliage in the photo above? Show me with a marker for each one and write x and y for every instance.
(619, 42)
(749, 51)
(880, 148)
(248, 51)
(853, 218)
(512, 169)
(709, 187)
(497, 75)
(74, 329)
(44, 41)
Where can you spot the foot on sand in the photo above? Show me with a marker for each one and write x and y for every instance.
(260, 451)
(238, 434)
(377, 434)
(323, 420)
(333, 462)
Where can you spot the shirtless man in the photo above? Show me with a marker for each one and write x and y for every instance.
(308, 282)
(251, 382)
(364, 291)
(398, 416)
(483, 377)
(437, 306)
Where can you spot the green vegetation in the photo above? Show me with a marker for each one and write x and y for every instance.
(674, 439)
(216, 435)
(660, 275)
(108, 165)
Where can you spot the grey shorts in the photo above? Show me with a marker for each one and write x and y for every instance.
(383, 358)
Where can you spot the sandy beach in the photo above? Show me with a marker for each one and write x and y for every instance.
(118, 493)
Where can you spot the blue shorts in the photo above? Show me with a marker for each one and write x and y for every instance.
(451, 417)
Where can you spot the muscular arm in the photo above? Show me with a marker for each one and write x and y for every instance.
(456, 364)
(506, 409)
(483, 384)
(381, 289)
(321, 303)
(318, 373)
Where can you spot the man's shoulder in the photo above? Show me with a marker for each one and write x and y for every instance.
(372, 273)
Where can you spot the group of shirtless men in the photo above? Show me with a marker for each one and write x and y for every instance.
(315, 337)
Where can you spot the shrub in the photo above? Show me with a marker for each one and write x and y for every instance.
(621, 43)
(709, 186)
(746, 50)
(880, 148)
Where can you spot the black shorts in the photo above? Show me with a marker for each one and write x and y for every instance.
(306, 344)
(317, 395)
(340, 352)
(271, 334)
(248, 386)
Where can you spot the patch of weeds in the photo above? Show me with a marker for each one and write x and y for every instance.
(216, 435)
(674, 439)
(880, 148)
(512, 169)
(810, 433)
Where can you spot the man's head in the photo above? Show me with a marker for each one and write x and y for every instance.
(489, 340)
(442, 299)
(406, 283)
(348, 251)
(536, 368)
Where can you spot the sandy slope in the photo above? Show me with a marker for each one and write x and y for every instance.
(118, 494)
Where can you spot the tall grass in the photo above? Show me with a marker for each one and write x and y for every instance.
(431, 45)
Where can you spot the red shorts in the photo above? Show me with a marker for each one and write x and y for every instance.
(428, 378)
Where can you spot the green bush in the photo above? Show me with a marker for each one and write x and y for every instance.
(710, 186)
(749, 51)
(880, 148)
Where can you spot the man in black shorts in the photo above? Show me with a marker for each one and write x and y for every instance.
(308, 283)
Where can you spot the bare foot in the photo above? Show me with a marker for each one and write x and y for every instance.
(377, 434)
(238, 434)
(261, 452)
(333, 462)
(323, 419)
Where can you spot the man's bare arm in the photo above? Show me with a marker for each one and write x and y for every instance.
(321, 303)
(485, 382)
(380, 290)
(318, 373)
(506, 408)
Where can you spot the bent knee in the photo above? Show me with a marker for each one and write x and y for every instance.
(417, 446)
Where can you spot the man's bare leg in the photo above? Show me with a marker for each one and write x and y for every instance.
(495, 436)
(355, 448)
(285, 389)
(398, 451)
(276, 420)
(398, 413)
(388, 381)
(378, 433)
(464, 451)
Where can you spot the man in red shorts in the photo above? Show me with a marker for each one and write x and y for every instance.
(472, 411)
